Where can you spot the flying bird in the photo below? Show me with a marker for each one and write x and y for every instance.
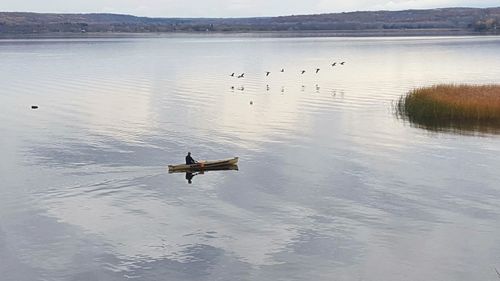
(303, 71)
(342, 63)
(334, 64)
(241, 75)
(317, 70)
(267, 73)
(282, 70)
(232, 74)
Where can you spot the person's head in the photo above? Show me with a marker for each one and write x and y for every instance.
(189, 153)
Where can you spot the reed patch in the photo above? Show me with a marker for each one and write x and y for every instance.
(461, 106)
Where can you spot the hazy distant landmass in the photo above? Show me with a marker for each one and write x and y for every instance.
(465, 20)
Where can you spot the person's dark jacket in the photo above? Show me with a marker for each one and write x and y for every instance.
(190, 160)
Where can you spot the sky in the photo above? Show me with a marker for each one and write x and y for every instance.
(228, 8)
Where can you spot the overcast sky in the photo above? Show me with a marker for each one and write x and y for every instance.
(229, 8)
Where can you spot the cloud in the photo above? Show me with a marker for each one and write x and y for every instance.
(374, 5)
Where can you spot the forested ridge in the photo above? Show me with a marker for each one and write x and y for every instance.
(470, 19)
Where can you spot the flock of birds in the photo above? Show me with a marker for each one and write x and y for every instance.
(267, 73)
(242, 75)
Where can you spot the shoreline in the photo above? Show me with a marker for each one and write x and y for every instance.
(282, 34)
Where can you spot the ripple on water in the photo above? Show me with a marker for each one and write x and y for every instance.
(330, 182)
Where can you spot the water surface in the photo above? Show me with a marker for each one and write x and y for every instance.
(331, 185)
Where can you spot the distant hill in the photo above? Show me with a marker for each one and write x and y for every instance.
(466, 19)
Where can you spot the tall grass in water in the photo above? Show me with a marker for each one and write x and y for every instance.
(473, 107)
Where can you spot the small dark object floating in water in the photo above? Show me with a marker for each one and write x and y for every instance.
(34, 107)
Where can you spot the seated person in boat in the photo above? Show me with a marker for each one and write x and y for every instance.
(189, 159)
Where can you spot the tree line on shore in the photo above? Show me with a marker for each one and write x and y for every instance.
(470, 19)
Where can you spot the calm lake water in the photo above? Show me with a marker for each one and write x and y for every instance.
(331, 185)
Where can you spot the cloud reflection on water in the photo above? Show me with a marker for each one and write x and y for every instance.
(328, 185)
